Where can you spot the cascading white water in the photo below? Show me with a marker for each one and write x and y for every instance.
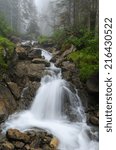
(47, 112)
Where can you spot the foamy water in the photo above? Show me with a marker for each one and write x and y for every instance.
(47, 112)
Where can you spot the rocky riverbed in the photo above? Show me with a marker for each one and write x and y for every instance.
(19, 86)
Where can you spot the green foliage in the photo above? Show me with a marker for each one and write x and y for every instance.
(83, 39)
(86, 61)
(5, 30)
(87, 55)
(59, 36)
(7, 48)
(43, 39)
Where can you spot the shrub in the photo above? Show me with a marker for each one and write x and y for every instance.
(6, 51)
(5, 29)
(86, 61)
(43, 39)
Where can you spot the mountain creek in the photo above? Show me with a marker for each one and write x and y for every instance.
(43, 103)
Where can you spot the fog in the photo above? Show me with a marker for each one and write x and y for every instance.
(45, 15)
(42, 5)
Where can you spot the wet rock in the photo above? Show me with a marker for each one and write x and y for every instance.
(94, 120)
(36, 70)
(67, 65)
(59, 61)
(35, 53)
(6, 101)
(7, 146)
(14, 89)
(22, 52)
(3, 111)
(27, 147)
(16, 135)
(26, 43)
(46, 147)
(2, 136)
(18, 144)
(36, 139)
(93, 84)
(41, 61)
(67, 75)
(26, 68)
(54, 143)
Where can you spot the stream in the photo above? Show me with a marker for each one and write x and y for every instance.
(47, 112)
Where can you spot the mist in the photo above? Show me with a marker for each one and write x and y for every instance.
(45, 16)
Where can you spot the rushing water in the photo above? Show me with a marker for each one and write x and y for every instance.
(47, 112)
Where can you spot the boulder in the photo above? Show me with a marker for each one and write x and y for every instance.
(6, 101)
(93, 84)
(27, 147)
(3, 111)
(21, 52)
(94, 120)
(7, 146)
(54, 143)
(31, 70)
(36, 139)
(27, 94)
(15, 90)
(41, 61)
(16, 135)
(35, 71)
(67, 65)
(18, 144)
(35, 53)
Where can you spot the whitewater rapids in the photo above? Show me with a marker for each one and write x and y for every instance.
(47, 113)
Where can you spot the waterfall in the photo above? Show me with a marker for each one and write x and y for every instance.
(47, 112)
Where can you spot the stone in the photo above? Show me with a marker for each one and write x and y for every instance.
(16, 135)
(18, 144)
(7, 146)
(14, 89)
(21, 51)
(31, 70)
(94, 120)
(54, 143)
(46, 147)
(35, 53)
(36, 142)
(36, 70)
(3, 111)
(6, 101)
(26, 43)
(68, 51)
(93, 84)
(27, 147)
(67, 65)
(41, 61)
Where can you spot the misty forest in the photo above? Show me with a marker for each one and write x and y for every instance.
(49, 74)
